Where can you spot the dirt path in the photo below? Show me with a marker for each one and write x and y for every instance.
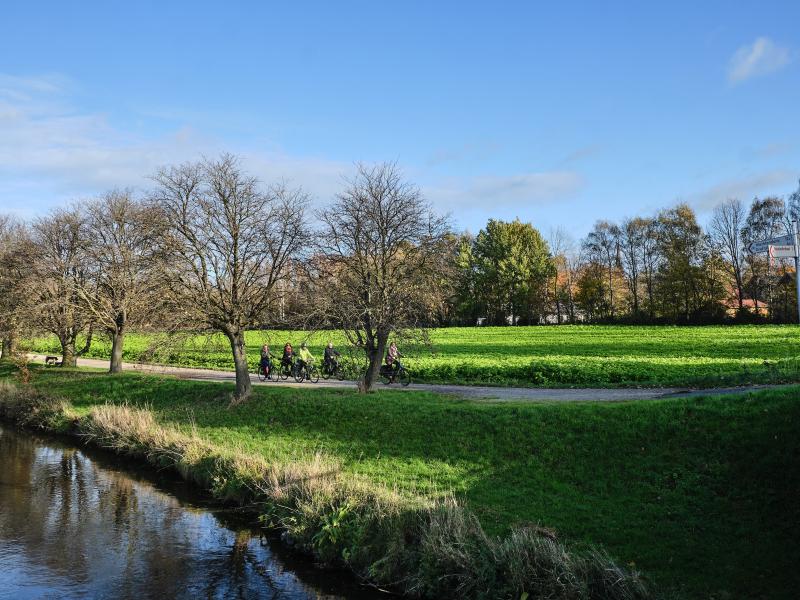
(479, 393)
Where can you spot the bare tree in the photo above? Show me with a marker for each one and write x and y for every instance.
(13, 270)
(632, 239)
(573, 265)
(382, 244)
(793, 207)
(230, 246)
(650, 261)
(726, 234)
(562, 248)
(765, 219)
(59, 266)
(125, 262)
(602, 245)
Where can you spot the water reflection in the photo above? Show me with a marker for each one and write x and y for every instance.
(78, 524)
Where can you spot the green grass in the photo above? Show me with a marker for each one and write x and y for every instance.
(700, 493)
(589, 356)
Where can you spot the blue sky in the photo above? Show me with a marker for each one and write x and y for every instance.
(558, 113)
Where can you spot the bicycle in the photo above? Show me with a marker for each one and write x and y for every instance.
(334, 369)
(389, 375)
(270, 375)
(285, 370)
(306, 371)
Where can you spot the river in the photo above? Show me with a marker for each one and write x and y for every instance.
(78, 523)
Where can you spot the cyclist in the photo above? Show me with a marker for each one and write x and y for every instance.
(304, 358)
(393, 359)
(266, 359)
(331, 358)
(288, 353)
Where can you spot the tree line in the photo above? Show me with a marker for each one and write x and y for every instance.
(209, 248)
(664, 268)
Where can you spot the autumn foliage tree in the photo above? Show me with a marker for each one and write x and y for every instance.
(13, 271)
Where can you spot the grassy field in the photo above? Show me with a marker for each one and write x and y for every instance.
(588, 356)
(699, 493)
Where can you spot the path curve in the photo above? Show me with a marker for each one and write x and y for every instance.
(479, 393)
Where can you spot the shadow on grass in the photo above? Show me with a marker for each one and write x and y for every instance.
(699, 492)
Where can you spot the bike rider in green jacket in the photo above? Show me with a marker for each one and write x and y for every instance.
(304, 357)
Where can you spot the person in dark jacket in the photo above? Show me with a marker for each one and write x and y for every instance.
(331, 357)
(288, 354)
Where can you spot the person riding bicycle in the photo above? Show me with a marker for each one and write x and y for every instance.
(266, 359)
(393, 359)
(330, 360)
(288, 354)
(304, 358)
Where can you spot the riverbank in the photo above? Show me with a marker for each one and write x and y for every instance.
(80, 522)
(698, 492)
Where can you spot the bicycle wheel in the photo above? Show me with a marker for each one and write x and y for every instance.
(284, 372)
(300, 374)
(404, 377)
(313, 374)
(326, 373)
(261, 375)
(339, 372)
(386, 376)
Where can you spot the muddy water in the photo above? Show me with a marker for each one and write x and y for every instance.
(81, 524)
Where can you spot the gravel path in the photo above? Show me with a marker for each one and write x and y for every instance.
(478, 393)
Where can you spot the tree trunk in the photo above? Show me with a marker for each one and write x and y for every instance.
(117, 341)
(739, 290)
(375, 356)
(243, 385)
(9, 345)
(557, 301)
(69, 358)
(611, 290)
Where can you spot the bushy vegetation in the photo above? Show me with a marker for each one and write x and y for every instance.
(699, 493)
(590, 356)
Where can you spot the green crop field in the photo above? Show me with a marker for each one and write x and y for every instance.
(591, 355)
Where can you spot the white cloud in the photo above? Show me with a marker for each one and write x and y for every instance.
(582, 153)
(767, 151)
(50, 151)
(761, 57)
(470, 152)
(491, 193)
(745, 188)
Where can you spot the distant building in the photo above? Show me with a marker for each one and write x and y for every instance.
(759, 307)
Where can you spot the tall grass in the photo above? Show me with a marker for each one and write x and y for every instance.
(416, 546)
